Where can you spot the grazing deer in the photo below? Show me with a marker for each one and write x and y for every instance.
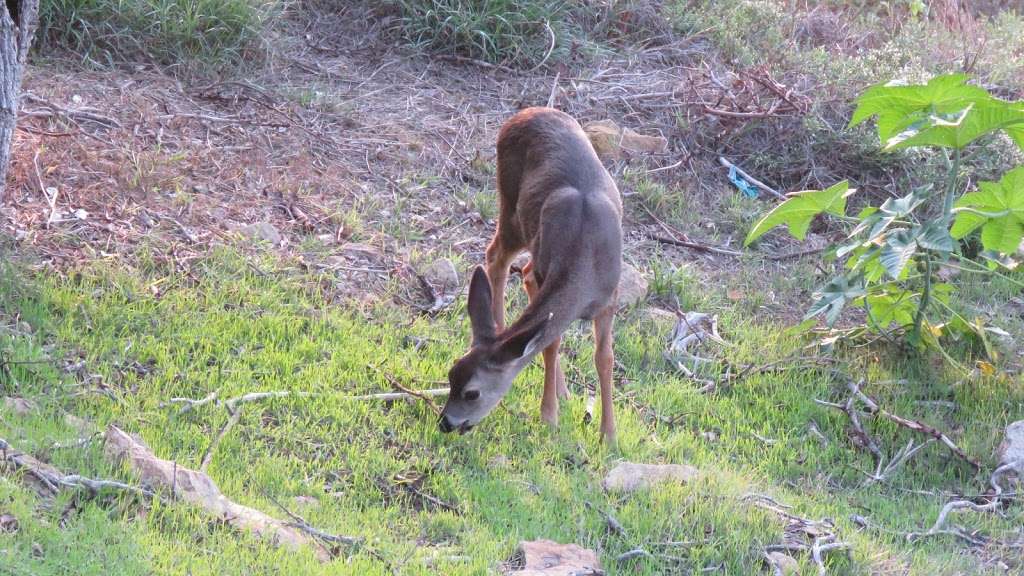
(558, 202)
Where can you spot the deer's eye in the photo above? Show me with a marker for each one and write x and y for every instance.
(471, 395)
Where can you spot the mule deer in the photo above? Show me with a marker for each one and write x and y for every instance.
(558, 202)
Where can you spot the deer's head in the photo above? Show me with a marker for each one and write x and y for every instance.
(481, 378)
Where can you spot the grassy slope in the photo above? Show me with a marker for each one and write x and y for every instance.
(241, 330)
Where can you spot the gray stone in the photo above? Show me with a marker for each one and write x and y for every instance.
(1011, 450)
(442, 273)
(632, 286)
(19, 406)
(630, 476)
(263, 231)
(548, 558)
(786, 564)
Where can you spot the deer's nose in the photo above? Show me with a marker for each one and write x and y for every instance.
(445, 424)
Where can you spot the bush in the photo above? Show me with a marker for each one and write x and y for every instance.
(178, 33)
(499, 31)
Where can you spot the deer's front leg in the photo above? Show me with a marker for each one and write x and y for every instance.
(604, 359)
(498, 260)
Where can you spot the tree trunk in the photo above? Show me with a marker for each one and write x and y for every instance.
(18, 20)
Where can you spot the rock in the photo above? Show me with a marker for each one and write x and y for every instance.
(604, 137)
(521, 261)
(305, 501)
(632, 286)
(1011, 450)
(787, 565)
(442, 273)
(8, 523)
(659, 316)
(362, 251)
(19, 406)
(547, 558)
(609, 140)
(630, 476)
(81, 425)
(264, 231)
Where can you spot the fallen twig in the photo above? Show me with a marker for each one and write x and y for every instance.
(680, 239)
(915, 425)
(995, 499)
(199, 489)
(300, 523)
(48, 480)
(884, 469)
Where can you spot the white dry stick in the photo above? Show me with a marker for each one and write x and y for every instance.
(751, 179)
(199, 489)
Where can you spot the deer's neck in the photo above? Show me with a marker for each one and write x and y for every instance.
(557, 305)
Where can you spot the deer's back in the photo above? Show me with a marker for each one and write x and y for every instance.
(542, 151)
(558, 200)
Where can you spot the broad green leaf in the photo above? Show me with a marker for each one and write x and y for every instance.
(945, 112)
(890, 306)
(891, 210)
(942, 292)
(1001, 217)
(1002, 234)
(833, 298)
(960, 128)
(896, 105)
(898, 249)
(934, 236)
(798, 211)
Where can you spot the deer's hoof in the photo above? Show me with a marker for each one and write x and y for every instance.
(549, 416)
(608, 439)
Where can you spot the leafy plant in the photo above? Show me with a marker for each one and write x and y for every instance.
(891, 251)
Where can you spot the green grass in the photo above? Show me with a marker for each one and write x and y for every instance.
(181, 34)
(500, 31)
(148, 335)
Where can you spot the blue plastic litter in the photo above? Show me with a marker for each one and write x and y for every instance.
(748, 190)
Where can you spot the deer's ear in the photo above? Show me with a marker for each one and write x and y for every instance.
(479, 306)
(522, 344)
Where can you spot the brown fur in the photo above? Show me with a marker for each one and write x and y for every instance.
(558, 202)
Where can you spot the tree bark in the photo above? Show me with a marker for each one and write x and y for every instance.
(18, 20)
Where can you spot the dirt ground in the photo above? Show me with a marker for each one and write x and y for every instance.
(353, 156)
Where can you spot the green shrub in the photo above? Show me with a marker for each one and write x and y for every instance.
(499, 31)
(178, 33)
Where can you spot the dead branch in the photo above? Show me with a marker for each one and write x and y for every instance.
(915, 425)
(884, 469)
(233, 406)
(68, 113)
(414, 393)
(995, 500)
(797, 254)
(47, 480)
(212, 397)
(204, 463)
(199, 489)
(300, 523)
(822, 532)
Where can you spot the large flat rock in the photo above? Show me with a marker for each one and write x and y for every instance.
(631, 476)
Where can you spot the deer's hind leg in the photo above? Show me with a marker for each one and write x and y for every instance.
(554, 378)
(604, 359)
